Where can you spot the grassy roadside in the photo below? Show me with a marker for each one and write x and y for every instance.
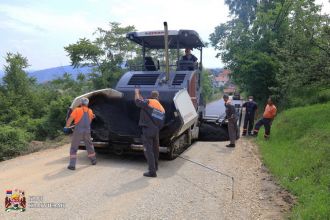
(298, 155)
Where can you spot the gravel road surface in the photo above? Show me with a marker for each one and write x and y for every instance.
(116, 189)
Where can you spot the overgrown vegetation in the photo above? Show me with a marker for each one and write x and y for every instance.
(298, 155)
(279, 48)
(30, 111)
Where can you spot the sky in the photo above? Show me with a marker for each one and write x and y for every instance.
(39, 30)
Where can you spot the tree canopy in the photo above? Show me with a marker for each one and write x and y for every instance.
(107, 53)
(278, 47)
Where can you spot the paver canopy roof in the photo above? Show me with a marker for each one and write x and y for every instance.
(155, 39)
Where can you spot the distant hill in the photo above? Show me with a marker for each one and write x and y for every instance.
(56, 72)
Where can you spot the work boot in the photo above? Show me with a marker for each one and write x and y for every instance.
(230, 145)
(71, 167)
(149, 174)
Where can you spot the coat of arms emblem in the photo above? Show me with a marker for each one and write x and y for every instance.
(15, 200)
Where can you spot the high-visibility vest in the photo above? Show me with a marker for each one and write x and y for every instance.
(154, 103)
(77, 114)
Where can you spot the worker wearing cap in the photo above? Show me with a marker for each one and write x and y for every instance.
(251, 108)
(189, 56)
(150, 131)
(232, 120)
(82, 117)
(267, 119)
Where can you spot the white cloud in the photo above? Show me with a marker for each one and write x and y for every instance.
(38, 20)
(50, 29)
(325, 6)
(202, 16)
(45, 30)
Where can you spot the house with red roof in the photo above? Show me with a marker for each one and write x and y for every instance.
(223, 78)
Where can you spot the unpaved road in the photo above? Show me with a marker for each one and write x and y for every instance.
(116, 189)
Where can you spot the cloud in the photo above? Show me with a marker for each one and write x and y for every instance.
(50, 26)
(37, 20)
(20, 26)
(325, 6)
(202, 16)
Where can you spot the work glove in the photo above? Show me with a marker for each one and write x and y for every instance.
(67, 130)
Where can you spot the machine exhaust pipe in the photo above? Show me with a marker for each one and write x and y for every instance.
(167, 65)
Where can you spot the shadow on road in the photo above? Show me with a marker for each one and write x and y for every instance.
(131, 186)
(126, 162)
(62, 173)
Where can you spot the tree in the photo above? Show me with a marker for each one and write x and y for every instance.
(16, 80)
(17, 88)
(207, 88)
(304, 54)
(277, 47)
(243, 10)
(107, 53)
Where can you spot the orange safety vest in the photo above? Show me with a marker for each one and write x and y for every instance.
(154, 103)
(270, 111)
(78, 113)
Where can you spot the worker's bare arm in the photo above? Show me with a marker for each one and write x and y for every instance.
(137, 94)
(69, 121)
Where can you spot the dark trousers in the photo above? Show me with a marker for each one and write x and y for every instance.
(232, 130)
(151, 151)
(248, 123)
(263, 122)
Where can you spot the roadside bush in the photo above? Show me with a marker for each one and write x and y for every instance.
(52, 124)
(307, 96)
(27, 124)
(12, 141)
(323, 96)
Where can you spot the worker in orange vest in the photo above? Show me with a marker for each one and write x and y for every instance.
(267, 119)
(152, 116)
(82, 117)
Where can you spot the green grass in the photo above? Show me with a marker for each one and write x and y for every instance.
(298, 155)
